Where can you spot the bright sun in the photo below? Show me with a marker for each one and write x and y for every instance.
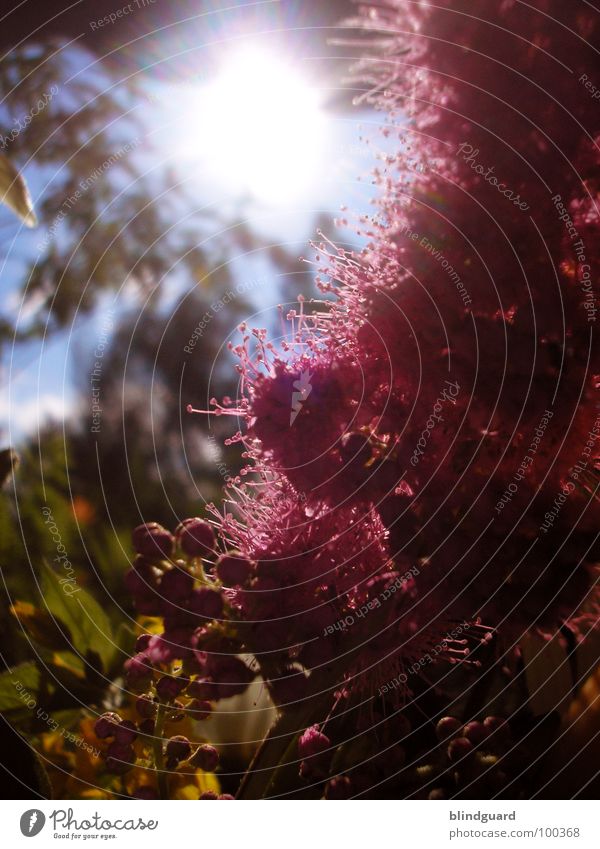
(258, 128)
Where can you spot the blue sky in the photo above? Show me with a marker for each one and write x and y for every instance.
(37, 378)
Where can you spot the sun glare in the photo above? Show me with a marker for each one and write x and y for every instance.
(258, 128)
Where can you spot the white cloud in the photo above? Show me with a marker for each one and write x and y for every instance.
(24, 418)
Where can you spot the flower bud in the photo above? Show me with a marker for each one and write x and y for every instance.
(168, 688)
(475, 732)
(146, 706)
(141, 644)
(199, 710)
(233, 570)
(152, 540)
(119, 758)
(176, 586)
(203, 689)
(146, 727)
(447, 727)
(205, 758)
(206, 603)
(178, 749)
(438, 793)
(176, 712)
(340, 787)
(459, 748)
(195, 537)
(312, 743)
(142, 583)
(126, 732)
(139, 670)
(231, 675)
(173, 644)
(496, 726)
(106, 725)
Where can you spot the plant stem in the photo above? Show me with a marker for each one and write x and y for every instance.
(157, 748)
(276, 750)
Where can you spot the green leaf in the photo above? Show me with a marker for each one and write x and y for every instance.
(17, 685)
(42, 626)
(88, 625)
(125, 638)
(68, 719)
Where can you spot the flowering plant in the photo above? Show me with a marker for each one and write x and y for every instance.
(416, 519)
(419, 499)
